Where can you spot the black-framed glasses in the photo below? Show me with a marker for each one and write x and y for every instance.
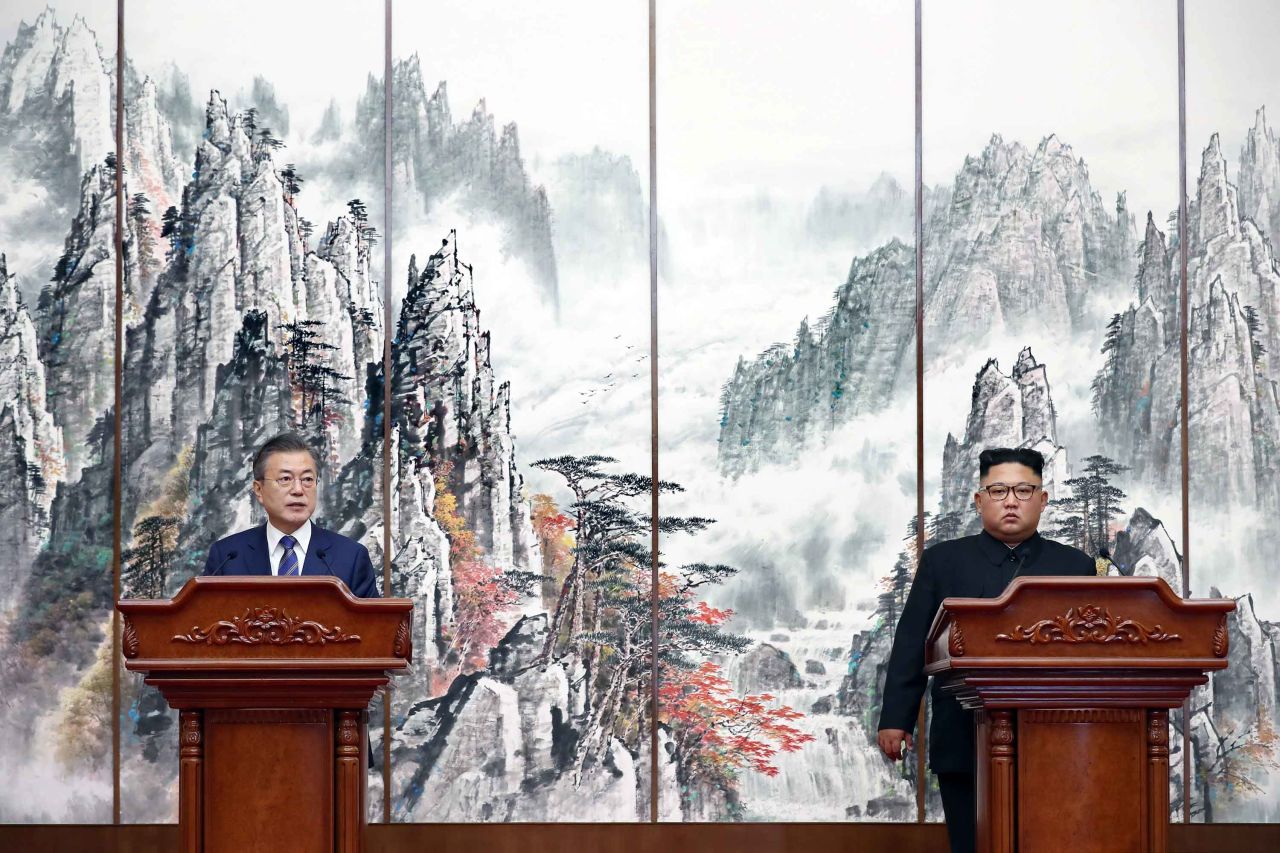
(286, 481)
(1000, 491)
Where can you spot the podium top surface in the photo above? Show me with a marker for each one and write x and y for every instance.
(262, 623)
(1082, 623)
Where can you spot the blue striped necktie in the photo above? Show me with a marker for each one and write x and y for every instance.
(289, 562)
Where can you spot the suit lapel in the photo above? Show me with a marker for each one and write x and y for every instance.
(313, 565)
(258, 560)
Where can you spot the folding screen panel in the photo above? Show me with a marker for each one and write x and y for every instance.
(258, 304)
(520, 409)
(57, 422)
(1051, 289)
(786, 322)
(1233, 231)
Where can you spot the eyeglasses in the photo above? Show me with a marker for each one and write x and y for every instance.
(286, 481)
(1000, 491)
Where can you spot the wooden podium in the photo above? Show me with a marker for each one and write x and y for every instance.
(1072, 679)
(272, 678)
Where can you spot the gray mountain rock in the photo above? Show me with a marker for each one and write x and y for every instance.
(153, 169)
(601, 218)
(30, 442)
(872, 217)
(1145, 549)
(330, 128)
(495, 747)
(1020, 241)
(77, 319)
(472, 160)
(236, 247)
(766, 669)
(1235, 717)
(1224, 246)
(48, 65)
(847, 364)
(1014, 410)
(451, 409)
(1235, 413)
(1260, 178)
(56, 111)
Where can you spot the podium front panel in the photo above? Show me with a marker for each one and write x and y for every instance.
(1081, 768)
(268, 780)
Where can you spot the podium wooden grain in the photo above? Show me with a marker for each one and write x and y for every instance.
(272, 678)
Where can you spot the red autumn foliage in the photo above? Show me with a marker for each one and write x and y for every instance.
(715, 730)
(720, 731)
(708, 615)
(556, 541)
(481, 600)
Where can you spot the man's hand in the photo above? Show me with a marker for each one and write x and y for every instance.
(891, 743)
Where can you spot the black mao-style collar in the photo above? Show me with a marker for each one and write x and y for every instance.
(1026, 551)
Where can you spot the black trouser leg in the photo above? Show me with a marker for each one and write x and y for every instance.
(960, 806)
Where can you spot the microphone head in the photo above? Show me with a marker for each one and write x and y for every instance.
(320, 553)
(231, 555)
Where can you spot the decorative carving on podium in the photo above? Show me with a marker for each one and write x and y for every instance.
(403, 647)
(1221, 639)
(190, 781)
(955, 643)
(1088, 624)
(1001, 780)
(1158, 733)
(130, 640)
(1001, 733)
(349, 733)
(350, 781)
(266, 626)
(190, 737)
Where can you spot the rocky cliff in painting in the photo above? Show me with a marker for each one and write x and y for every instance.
(1259, 178)
(57, 108)
(451, 427)
(54, 81)
(1234, 723)
(30, 442)
(848, 363)
(601, 218)
(472, 163)
(1233, 284)
(1022, 241)
(1007, 410)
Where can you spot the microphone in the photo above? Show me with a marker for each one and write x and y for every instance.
(231, 555)
(324, 562)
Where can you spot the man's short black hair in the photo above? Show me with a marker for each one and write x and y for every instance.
(285, 442)
(1006, 455)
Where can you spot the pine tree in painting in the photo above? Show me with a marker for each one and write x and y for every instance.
(602, 623)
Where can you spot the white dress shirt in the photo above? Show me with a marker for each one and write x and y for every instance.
(276, 551)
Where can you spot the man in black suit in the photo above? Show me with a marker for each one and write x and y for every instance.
(285, 481)
(1010, 498)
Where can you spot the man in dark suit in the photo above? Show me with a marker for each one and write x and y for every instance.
(285, 480)
(1010, 498)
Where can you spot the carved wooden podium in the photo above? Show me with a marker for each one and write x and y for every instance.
(272, 678)
(1072, 679)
